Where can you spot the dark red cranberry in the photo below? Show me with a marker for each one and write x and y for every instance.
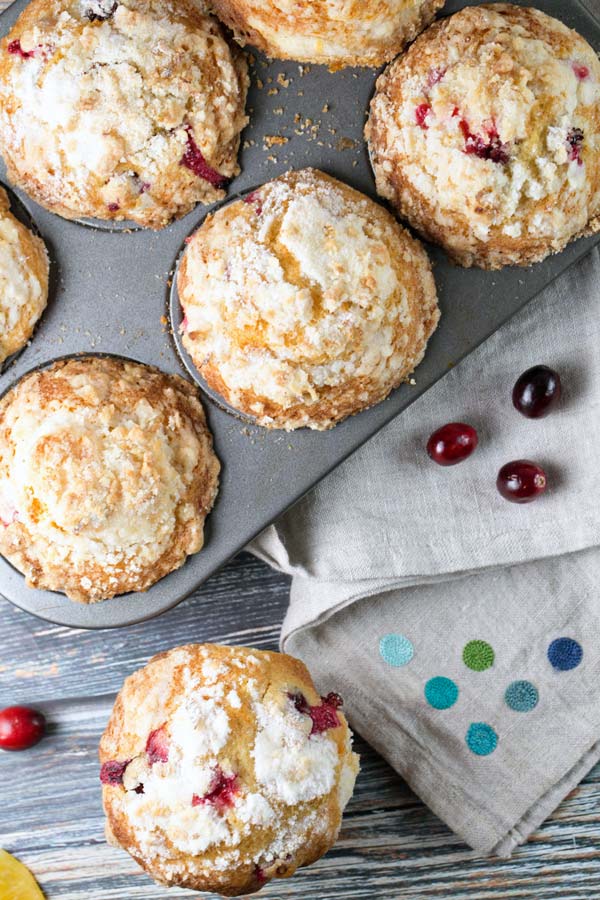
(20, 727)
(260, 875)
(193, 159)
(521, 481)
(113, 207)
(575, 141)
(111, 772)
(536, 392)
(488, 147)
(452, 443)
(222, 791)
(582, 72)
(421, 113)
(254, 199)
(324, 716)
(15, 48)
(157, 745)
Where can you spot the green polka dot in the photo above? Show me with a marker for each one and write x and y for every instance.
(396, 649)
(478, 655)
(441, 693)
(481, 739)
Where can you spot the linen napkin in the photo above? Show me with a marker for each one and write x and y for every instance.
(463, 630)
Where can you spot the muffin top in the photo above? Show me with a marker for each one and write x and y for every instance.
(305, 301)
(222, 768)
(485, 135)
(120, 109)
(106, 476)
(335, 32)
(23, 280)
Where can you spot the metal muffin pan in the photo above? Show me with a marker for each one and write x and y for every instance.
(112, 294)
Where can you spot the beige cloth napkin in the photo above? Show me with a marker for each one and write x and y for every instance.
(395, 557)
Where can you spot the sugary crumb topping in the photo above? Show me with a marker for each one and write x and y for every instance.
(106, 475)
(23, 280)
(241, 777)
(491, 125)
(121, 108)
(304, 289)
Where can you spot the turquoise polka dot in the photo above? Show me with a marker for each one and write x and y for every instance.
(441, 693)
(481, 739)
(522, 696)
(396, 649)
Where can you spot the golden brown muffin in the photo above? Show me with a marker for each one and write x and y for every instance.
(223, 768)
(23, 281)
(120, 109)
(335, 32)
(107, 474)
(305, 302)
(486, 135)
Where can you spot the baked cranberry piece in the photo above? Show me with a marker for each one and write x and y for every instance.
(488, 147)
(254, 200)
(15, 48)
(222, 791)
(324, 716)
(157, 745)
(111, 772)
(113, 207)
(575, 142)
(582, 72)
(21, 727)
(421, 113)
(193, 159)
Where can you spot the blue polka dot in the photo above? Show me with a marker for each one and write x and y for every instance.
(441, 693)
(481, 738)
(565, 653)
(522, 696)
(396, 649)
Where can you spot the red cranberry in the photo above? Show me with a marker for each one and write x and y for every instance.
(452, 443)
(20, 727)
(194, 160)
(157, 746)
(15, 48)
(222, 791)
(521, 481)
(113, 207)
(421, 113)
(324, 716)
(582, 72)
(489, 147)
(254, 199)
(575, 142)
(536, 392)
(111, 772)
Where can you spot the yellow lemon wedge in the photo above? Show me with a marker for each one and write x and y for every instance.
(16, 881)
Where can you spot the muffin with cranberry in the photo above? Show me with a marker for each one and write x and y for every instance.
(107, 474)
(485, 136)
(305, 302)
(335, 32)
(120, 109)
(23, 281)
(222, 768)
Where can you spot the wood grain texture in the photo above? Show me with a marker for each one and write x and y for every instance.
(391, 846)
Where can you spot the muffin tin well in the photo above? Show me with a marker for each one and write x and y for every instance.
(113, 295)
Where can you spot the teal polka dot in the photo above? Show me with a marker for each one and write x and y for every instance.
(522, 696)
(481, 739)
(396, 649)
(441, 693)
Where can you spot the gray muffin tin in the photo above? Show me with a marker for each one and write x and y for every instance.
(111, 293)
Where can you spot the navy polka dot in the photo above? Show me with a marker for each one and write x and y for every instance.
(564, 653)
(521, 696)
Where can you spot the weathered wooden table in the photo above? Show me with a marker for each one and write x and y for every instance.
(391, 846)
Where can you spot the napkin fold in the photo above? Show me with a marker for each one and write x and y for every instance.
(462, 630)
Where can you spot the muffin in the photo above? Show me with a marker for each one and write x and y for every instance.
(335, 32)
(222, 768)
(107, 474)
(23, 281)
(305, 302)
(120, 109)
(485, 136)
